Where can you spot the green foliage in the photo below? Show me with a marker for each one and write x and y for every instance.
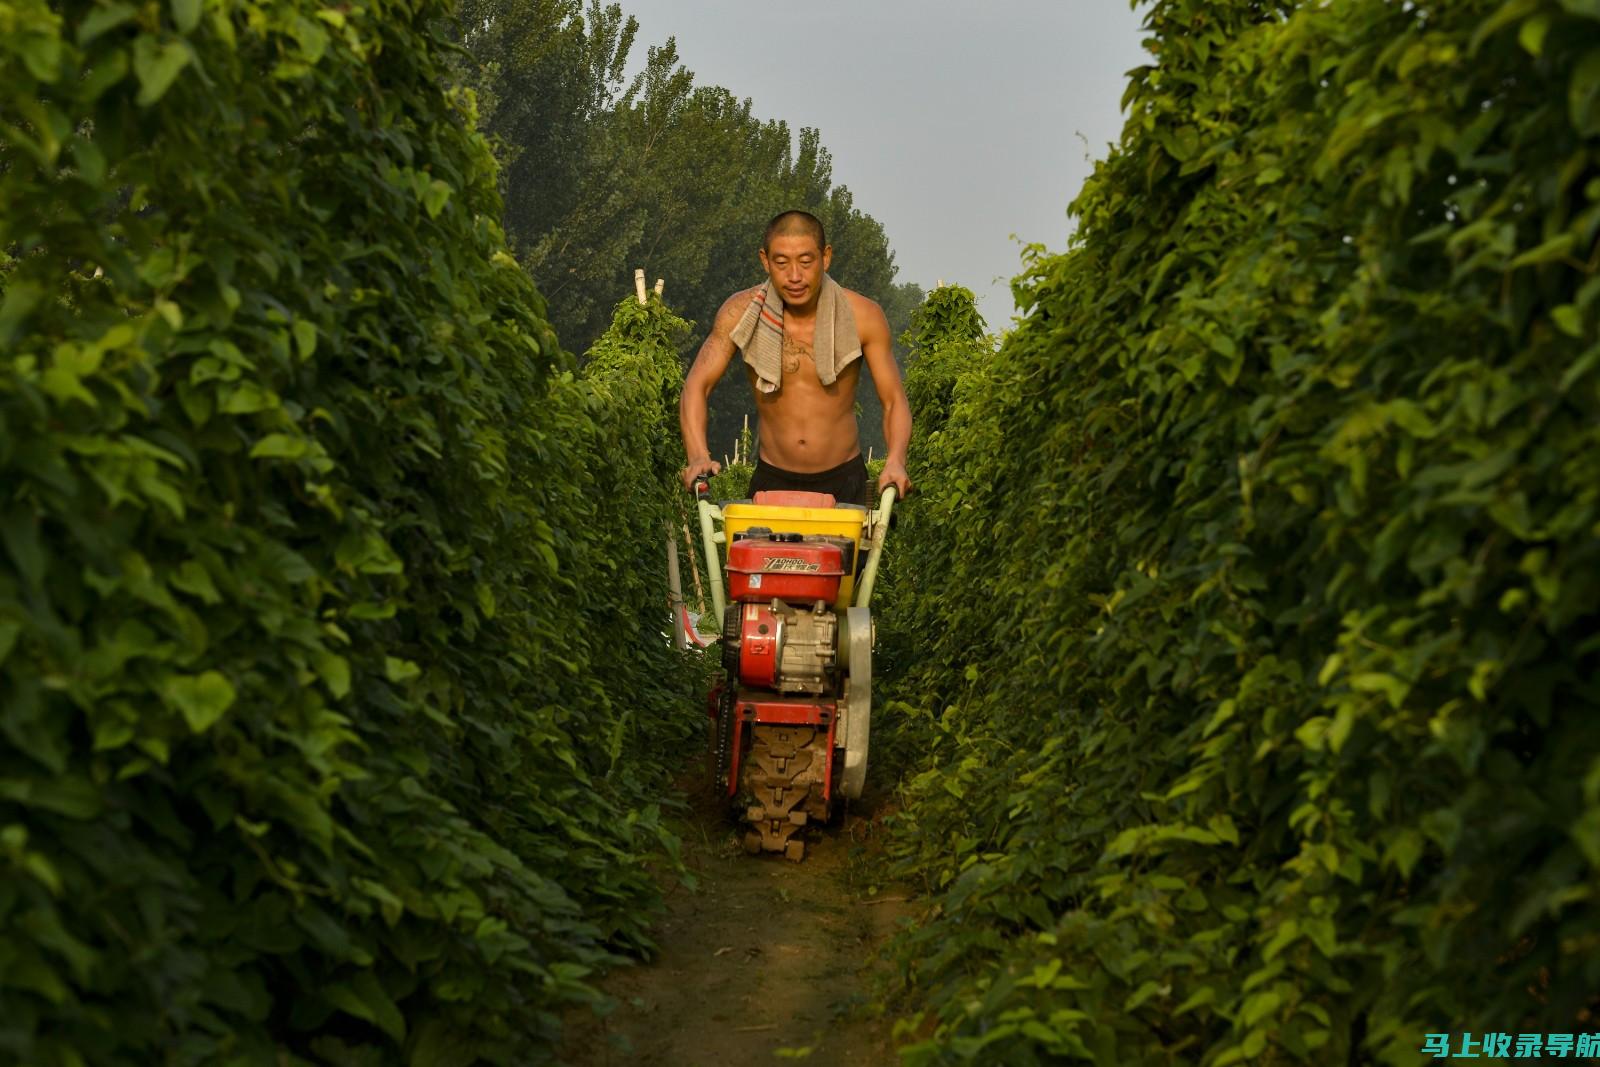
(1272, 736)
(329, 685)
(941, 543)
(732, 482)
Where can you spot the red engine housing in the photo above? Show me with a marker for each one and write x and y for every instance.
(761, 568)
(760, 645)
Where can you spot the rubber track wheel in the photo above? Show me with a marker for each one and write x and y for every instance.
(730, 640)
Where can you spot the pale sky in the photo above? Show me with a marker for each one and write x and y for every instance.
(955, 125)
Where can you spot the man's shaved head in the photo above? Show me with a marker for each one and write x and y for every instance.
(794, 224)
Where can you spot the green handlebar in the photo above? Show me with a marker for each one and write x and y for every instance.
(708, 535)
(880, 533)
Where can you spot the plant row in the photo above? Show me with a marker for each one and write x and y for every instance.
(331, 687)
(1252, 589)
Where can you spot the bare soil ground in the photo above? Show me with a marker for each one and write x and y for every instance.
(763, 962)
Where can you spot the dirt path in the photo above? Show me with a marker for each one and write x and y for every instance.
(764, 962)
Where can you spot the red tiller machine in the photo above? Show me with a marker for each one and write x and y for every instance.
(792, 718)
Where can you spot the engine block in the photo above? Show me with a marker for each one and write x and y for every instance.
(788, 648)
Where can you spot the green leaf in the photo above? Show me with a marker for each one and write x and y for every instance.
(1147, 989)
(157, 65)
(1405, 848)
(1558, 247)
(1199, 998)
(155, 488)
(186, 15)
(280, 446)
(366, 553)
(1045, 973)
(436, 196)
(1313, 732)
(247, 398)
(65, 386)
(202, 698)
(1259, 1006)
(1508, 14)
(1395, 689)
(69, 795)
(91, 162)
(393, 907)
(335, 673)
(102, 18)
(1568, 319)
(41, 53)
(399, 670)
(305, 337)
(364, 997)
(1531, 35)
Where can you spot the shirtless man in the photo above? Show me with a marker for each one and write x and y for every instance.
(807, 430)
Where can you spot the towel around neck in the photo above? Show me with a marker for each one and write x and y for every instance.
(759, 335)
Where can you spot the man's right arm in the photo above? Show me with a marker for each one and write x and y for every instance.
(708, 367)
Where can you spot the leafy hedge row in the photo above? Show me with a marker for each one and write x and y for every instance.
(1256, 578)
(330, 691)
(942, 531)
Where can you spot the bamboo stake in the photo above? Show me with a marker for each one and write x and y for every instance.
(638, 284)
(694, 570)
(661, 283)
(680, 640)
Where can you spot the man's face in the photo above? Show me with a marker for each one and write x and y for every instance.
(795, 264)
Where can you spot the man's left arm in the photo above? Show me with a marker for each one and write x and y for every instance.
(873, 328)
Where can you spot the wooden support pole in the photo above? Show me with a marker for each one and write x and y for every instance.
(661, 283)
(694, 570)
(638, 285)
(680, 640)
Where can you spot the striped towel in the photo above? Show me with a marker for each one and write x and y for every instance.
(759, 335)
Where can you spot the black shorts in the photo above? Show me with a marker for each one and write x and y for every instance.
(847, 482)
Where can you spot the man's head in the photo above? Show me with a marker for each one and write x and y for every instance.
(795, 253)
